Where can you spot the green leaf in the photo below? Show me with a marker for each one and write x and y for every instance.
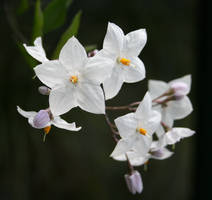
(24, 5)
(71, 31)
(38, 21)
(55, 14)
(29, 60)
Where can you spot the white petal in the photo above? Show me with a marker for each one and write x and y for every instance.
(134, 73)
(26, 114)
(91, 98)
(134, 42)
(152, 123)
(185, 79)
(62, 99)
(114, 39)
(60, 123)
(126, 125)
(160, 131)
(157, 88)
(142, 145)
(98, 67)
(180, 108)
(51, 73)
(145, 107)
(175, 135)
(113, 84)
(37, 51)
(73, 55)
(122, 147)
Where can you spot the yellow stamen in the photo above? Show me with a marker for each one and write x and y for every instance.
(47, 129)
(73, 79)
(125, 61)
(142, 131)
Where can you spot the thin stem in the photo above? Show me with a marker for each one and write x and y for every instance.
(131, 168)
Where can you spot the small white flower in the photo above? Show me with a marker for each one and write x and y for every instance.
(134, 182)
(155, 152)
(136, 129)
(173, 103)
(174, 135)
(120, 55)
(43, 120)
(37, 51)
(73, 81)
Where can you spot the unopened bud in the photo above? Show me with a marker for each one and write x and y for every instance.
(41, 119)
(180, 89)
(44, 90)
(92, 53)
(134, 182)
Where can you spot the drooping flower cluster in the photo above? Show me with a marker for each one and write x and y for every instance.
(77, 79)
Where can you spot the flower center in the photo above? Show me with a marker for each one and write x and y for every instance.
(47, 129)
(142, 131)
(125, 61)
(73, 79)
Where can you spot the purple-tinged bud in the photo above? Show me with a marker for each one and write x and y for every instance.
(41, 119)
(134, 182)
(180, 89)
(92, 53)
(44, 90)
(159, 153)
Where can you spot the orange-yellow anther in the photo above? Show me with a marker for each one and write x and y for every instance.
(73, 79)
(142, 131)
(47, 129)
(125, 61)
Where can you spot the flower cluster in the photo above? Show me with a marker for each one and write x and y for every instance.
(77, 79)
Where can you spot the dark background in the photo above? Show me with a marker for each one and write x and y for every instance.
(77, 165)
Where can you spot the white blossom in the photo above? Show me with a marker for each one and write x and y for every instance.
(43, 120)
(136, 129)
(74, 80)
(120, 55)
(169, 104)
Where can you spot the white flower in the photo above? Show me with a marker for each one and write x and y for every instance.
(174, 135)
(73, 81)
(43, 120)
(134, 182)
(155, 152)
(120, 55)
(136, 129)
(173, 103)
(37, 51)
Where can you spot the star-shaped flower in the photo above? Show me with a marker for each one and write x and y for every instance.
(136, 129)
(170, 100)
(44, 119)
(120, 55)
(74, 80)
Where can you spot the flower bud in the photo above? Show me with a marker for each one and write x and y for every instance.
(41, 119)
(92, 53)
(44, 90)
(134, 182)
(180, 89)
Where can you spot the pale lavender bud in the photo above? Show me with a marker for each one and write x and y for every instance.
(159, 153)
(180, 89)
(92, 53)
(134, 182)
(41, 119)
(44, 90)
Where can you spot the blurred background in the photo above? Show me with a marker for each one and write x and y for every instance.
(77, 165)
